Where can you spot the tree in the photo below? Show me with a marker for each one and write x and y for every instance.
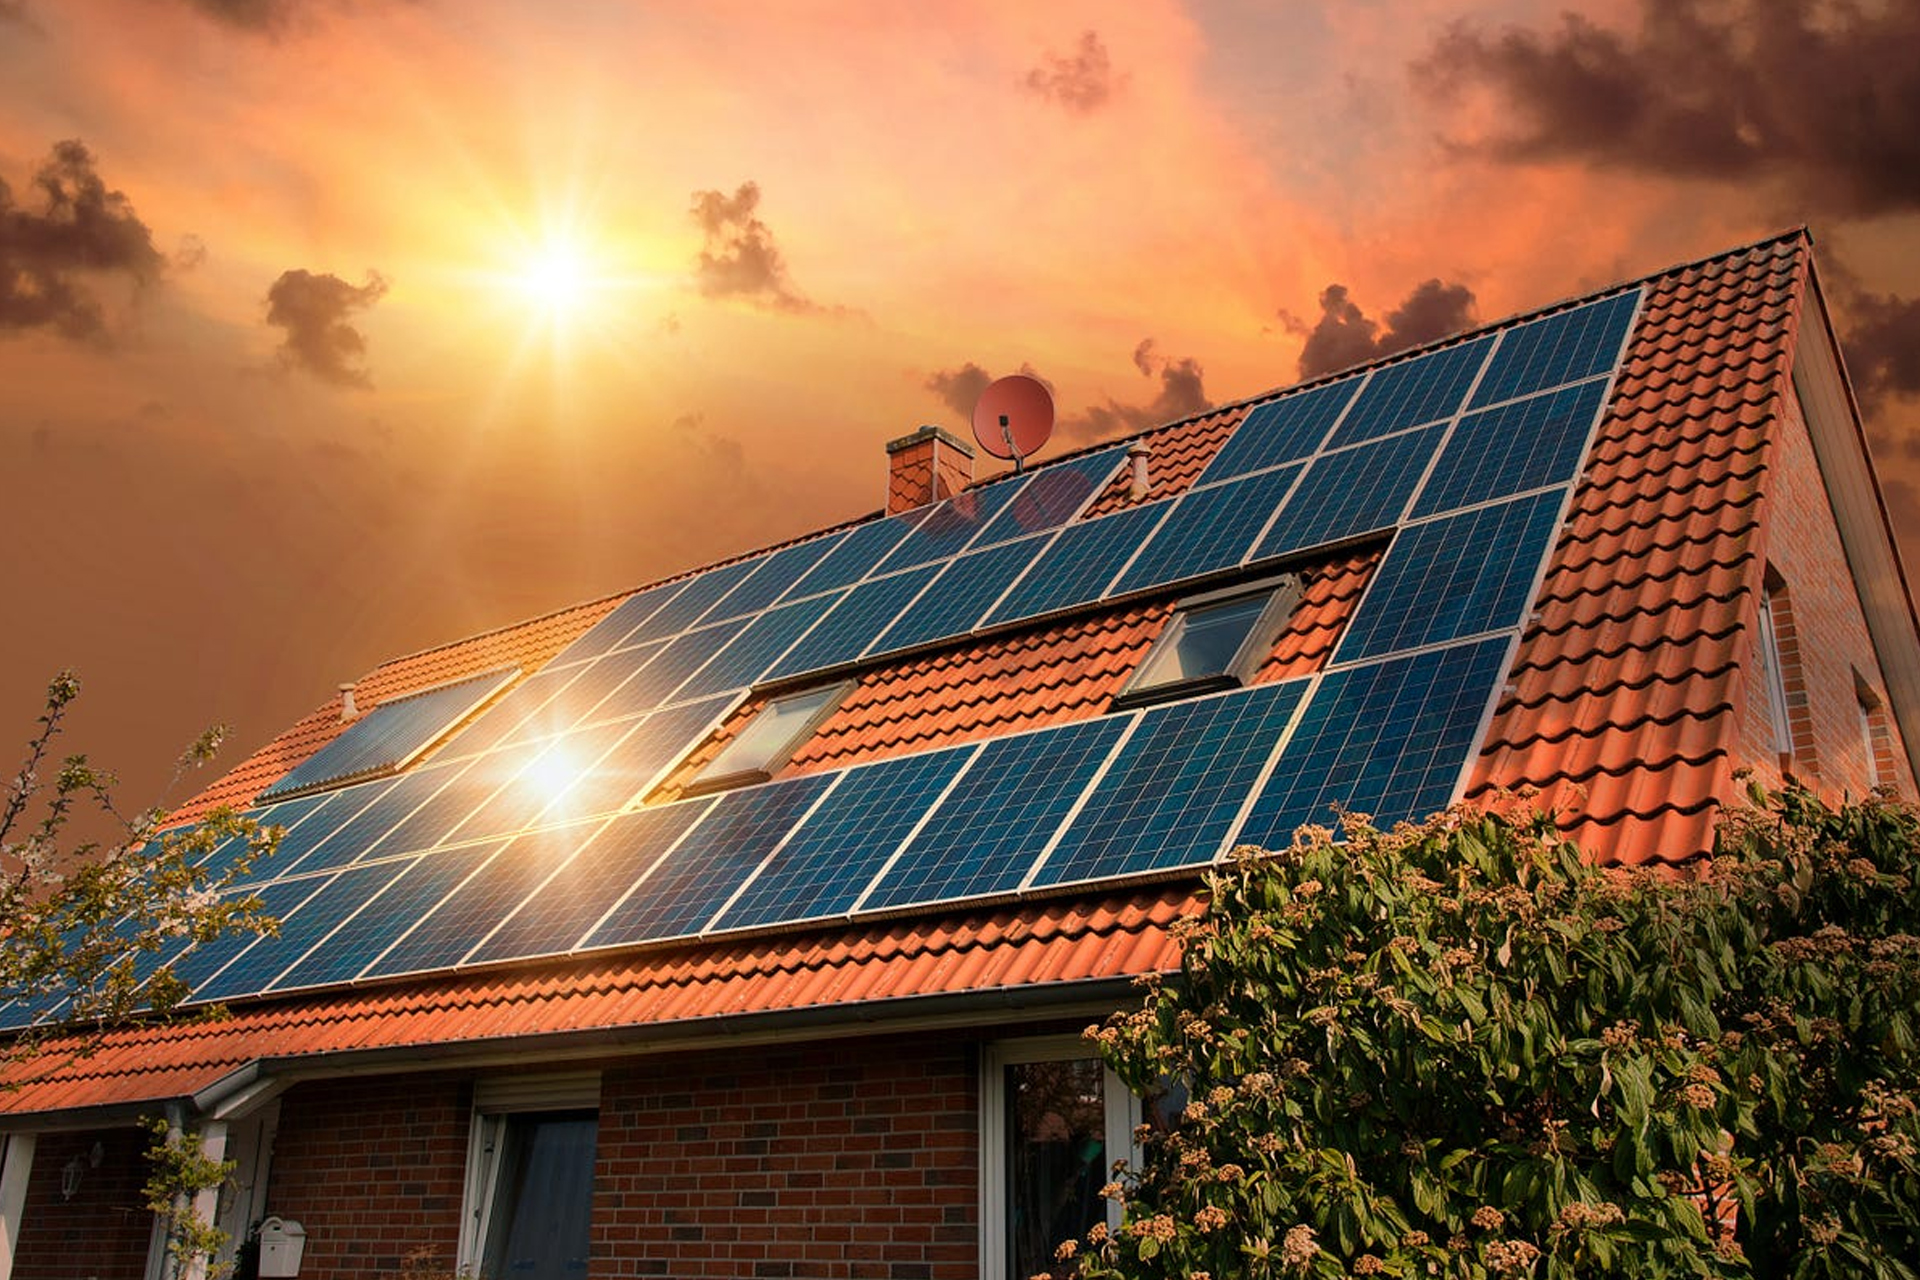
(90, 929)
(1462, 1050)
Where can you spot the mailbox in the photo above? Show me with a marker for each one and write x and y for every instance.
(281, 1244)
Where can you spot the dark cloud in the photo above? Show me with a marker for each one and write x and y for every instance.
(1345, 335)
(740, 259)
(314, 309)
(960, 388)
(1181, 393)
(15, 11)
(1817, 95)
(262, 17)
(80, 230)
(1882, 344)
(1082, 81)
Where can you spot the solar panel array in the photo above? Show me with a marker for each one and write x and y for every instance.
(517, 839)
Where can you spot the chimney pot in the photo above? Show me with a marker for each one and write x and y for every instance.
(348, 711)
(1139, 453)
(925, 467)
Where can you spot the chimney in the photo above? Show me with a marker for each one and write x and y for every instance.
(348, 712)
(925, 467)
(1138, 453)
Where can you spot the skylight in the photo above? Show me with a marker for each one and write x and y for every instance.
(769, 740)
(1214, 642)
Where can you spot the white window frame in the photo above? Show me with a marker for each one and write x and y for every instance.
(708, 781)
(1773, 671)
(495, 1100)
(1283, 594)
(1123, 1113)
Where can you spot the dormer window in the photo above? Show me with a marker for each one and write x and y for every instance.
(768, 741)
(1215, 641)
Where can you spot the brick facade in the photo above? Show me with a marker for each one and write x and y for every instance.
(925, 468)
(102, 1232)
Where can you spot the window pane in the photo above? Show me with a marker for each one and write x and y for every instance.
(771, 732)
(543, 1201)
(1056, 1160)
(1207, 641)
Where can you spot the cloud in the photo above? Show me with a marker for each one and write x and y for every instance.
(740, 259)
(1182, 393)
(1081, 82)
(1820, 97)
(959, 389)
(1345, 335)
(1882, 344)
(313, 309)
(80, 230)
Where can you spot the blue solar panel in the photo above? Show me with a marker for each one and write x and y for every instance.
(1208, 529)
(644, 754)
(962, 593)
(1283, 430)
(1522, 445)
(444, 935)
(503, 720)
(431, 823)
(1056, 494)
(1076, 568)
(1176, 786)
(602, 690)
(1413, 392)
(951, 525)
(716, 858)
(288, 814)
(281, 900)
(850, 627)
(428, 878)
(612, 631)
(1390, 739)
(749, 654)
(259, 964)
(822, 870)
(1458, 576)
(362, 816)
(553, 920)
(654, 683)
(984, 836)
(1352, 492)
(390, 735)
(1568, 347)
(856, 555)
(690, 606)
(775, 577)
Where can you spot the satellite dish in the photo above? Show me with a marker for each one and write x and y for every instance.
(1013, 417)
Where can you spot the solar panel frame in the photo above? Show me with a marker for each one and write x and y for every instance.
(1568, 346)
(1514, 447)
(367, 817)
(689, 607)
(653, 685)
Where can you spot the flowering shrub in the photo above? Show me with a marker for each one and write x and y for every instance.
(1462, 1050)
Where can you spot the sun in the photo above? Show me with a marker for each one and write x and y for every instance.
(557, 279)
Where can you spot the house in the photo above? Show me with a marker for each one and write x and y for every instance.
(743, 925)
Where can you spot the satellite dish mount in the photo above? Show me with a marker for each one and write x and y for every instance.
(1013, 418)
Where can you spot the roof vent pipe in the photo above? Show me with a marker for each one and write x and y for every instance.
(1138, 453)
(348, 712)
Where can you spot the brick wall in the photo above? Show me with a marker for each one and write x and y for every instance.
(1828, 655)
(373, 1170)
(103, 1231)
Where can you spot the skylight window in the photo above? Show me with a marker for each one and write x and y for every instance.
(769, 741)
(1215, 641)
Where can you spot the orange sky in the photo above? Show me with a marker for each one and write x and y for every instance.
(314, 418)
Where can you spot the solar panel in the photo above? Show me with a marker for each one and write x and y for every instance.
(281, 900)
(390, 735)
(776, 576)
(1077, 566)
(1521, 445)
(1457, 576)
(1174, 789)
(1413, 392)
(341, 896)
(443, 936)
(428, 878)
(714, 859)
(608, 682)
(952, 524)
(854, 558)
(288, 814)
(642, 758)
(823, 868)
(551, 920)
(612, 631)
(363, 814)
(984, 835)
(1056, 494)
(1208, 529)
(1352, 492)
(861, 614)
(1283, 430)
(751, 652)
(430, 824)
(689, 607)
(504, 718)
(1568, 347)
(654, 683)
(1391, 739)
(960, 595)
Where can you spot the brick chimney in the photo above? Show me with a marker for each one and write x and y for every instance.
(925, 467)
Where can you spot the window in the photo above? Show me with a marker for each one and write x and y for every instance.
(1051, 1119)
(768, 741)
(1215, 641)
(1773, 673)
(529, 1200)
